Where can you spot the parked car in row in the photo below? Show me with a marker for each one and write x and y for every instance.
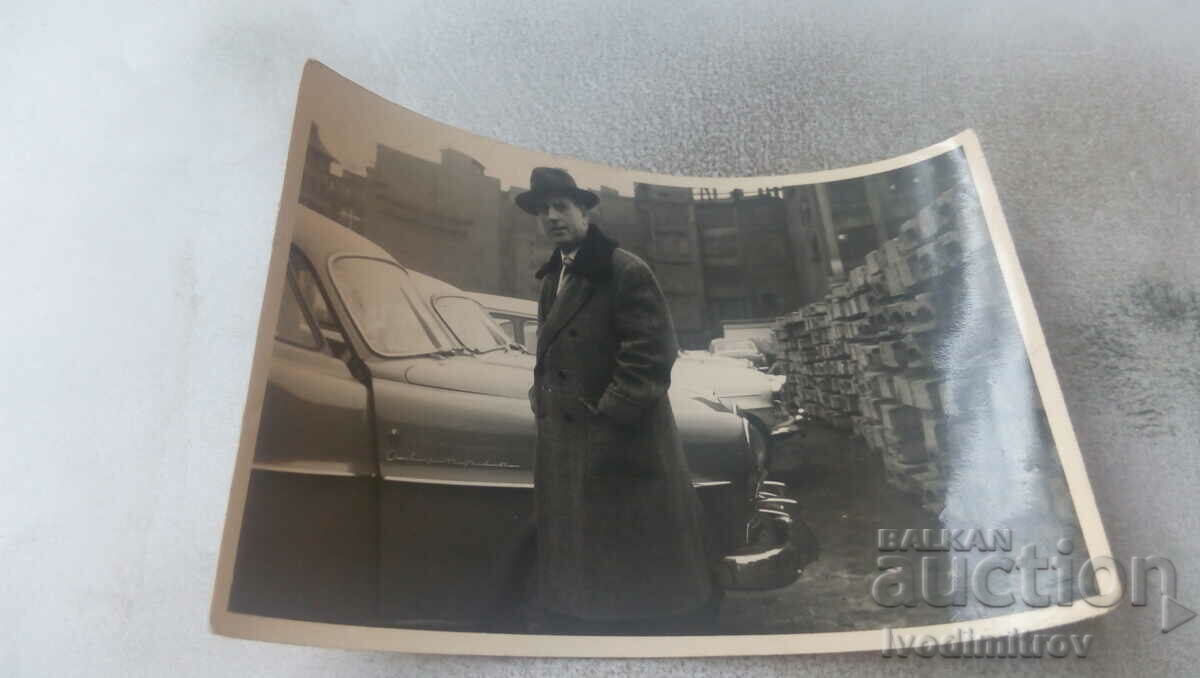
(734, 382)
(392, 475)
(744, 349)
(517, 318)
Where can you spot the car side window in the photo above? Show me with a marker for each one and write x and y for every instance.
(294, 326)
(314, 297)
(506, 324)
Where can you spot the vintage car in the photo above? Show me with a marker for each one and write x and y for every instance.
(731, 381)
(745, 349)
(707, 358)
(391, 481)
(517, 318)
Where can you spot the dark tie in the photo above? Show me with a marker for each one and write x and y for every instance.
(565, 276)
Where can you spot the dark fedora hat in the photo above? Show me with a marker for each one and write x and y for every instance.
(547, 181)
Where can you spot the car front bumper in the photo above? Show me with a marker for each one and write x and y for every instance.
(769, 557)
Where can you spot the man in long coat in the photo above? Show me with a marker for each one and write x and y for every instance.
(618, 521)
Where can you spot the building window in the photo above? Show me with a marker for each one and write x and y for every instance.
(721, 245)
(732, 309)
(673, 246)
(770, 304)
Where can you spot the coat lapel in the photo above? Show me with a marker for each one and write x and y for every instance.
(593, 266)
(565, 306)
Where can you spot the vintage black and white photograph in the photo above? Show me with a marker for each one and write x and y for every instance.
(504, 394)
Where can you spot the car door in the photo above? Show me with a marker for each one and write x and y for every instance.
(454, 436)
(308, 548)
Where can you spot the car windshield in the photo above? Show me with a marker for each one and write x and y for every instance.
(376, 293)
(470, 323)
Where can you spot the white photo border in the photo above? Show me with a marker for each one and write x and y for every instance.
(324, 93)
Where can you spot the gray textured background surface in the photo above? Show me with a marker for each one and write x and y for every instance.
(144, 157)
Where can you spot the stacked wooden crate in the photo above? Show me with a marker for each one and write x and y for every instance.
(816, 348)
(789, 331)
(939, 297)
(883, 352)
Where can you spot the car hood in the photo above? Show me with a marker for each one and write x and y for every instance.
(518, 359)
(710, 359)
(469, 374)
(689, 380)
(509, 374)
(707, 427)
(724, 379)
(744, 354)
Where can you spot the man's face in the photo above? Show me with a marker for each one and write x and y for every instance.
(563, 221)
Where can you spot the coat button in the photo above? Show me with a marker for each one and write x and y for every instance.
(562, 374)
(567, 417)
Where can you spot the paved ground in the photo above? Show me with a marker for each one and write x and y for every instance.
(844, 499)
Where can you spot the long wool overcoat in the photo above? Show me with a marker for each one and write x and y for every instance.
(618, 521)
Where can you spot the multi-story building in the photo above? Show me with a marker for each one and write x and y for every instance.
(438, 218)
(329, 188)
(718, 257)
(317, 182)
